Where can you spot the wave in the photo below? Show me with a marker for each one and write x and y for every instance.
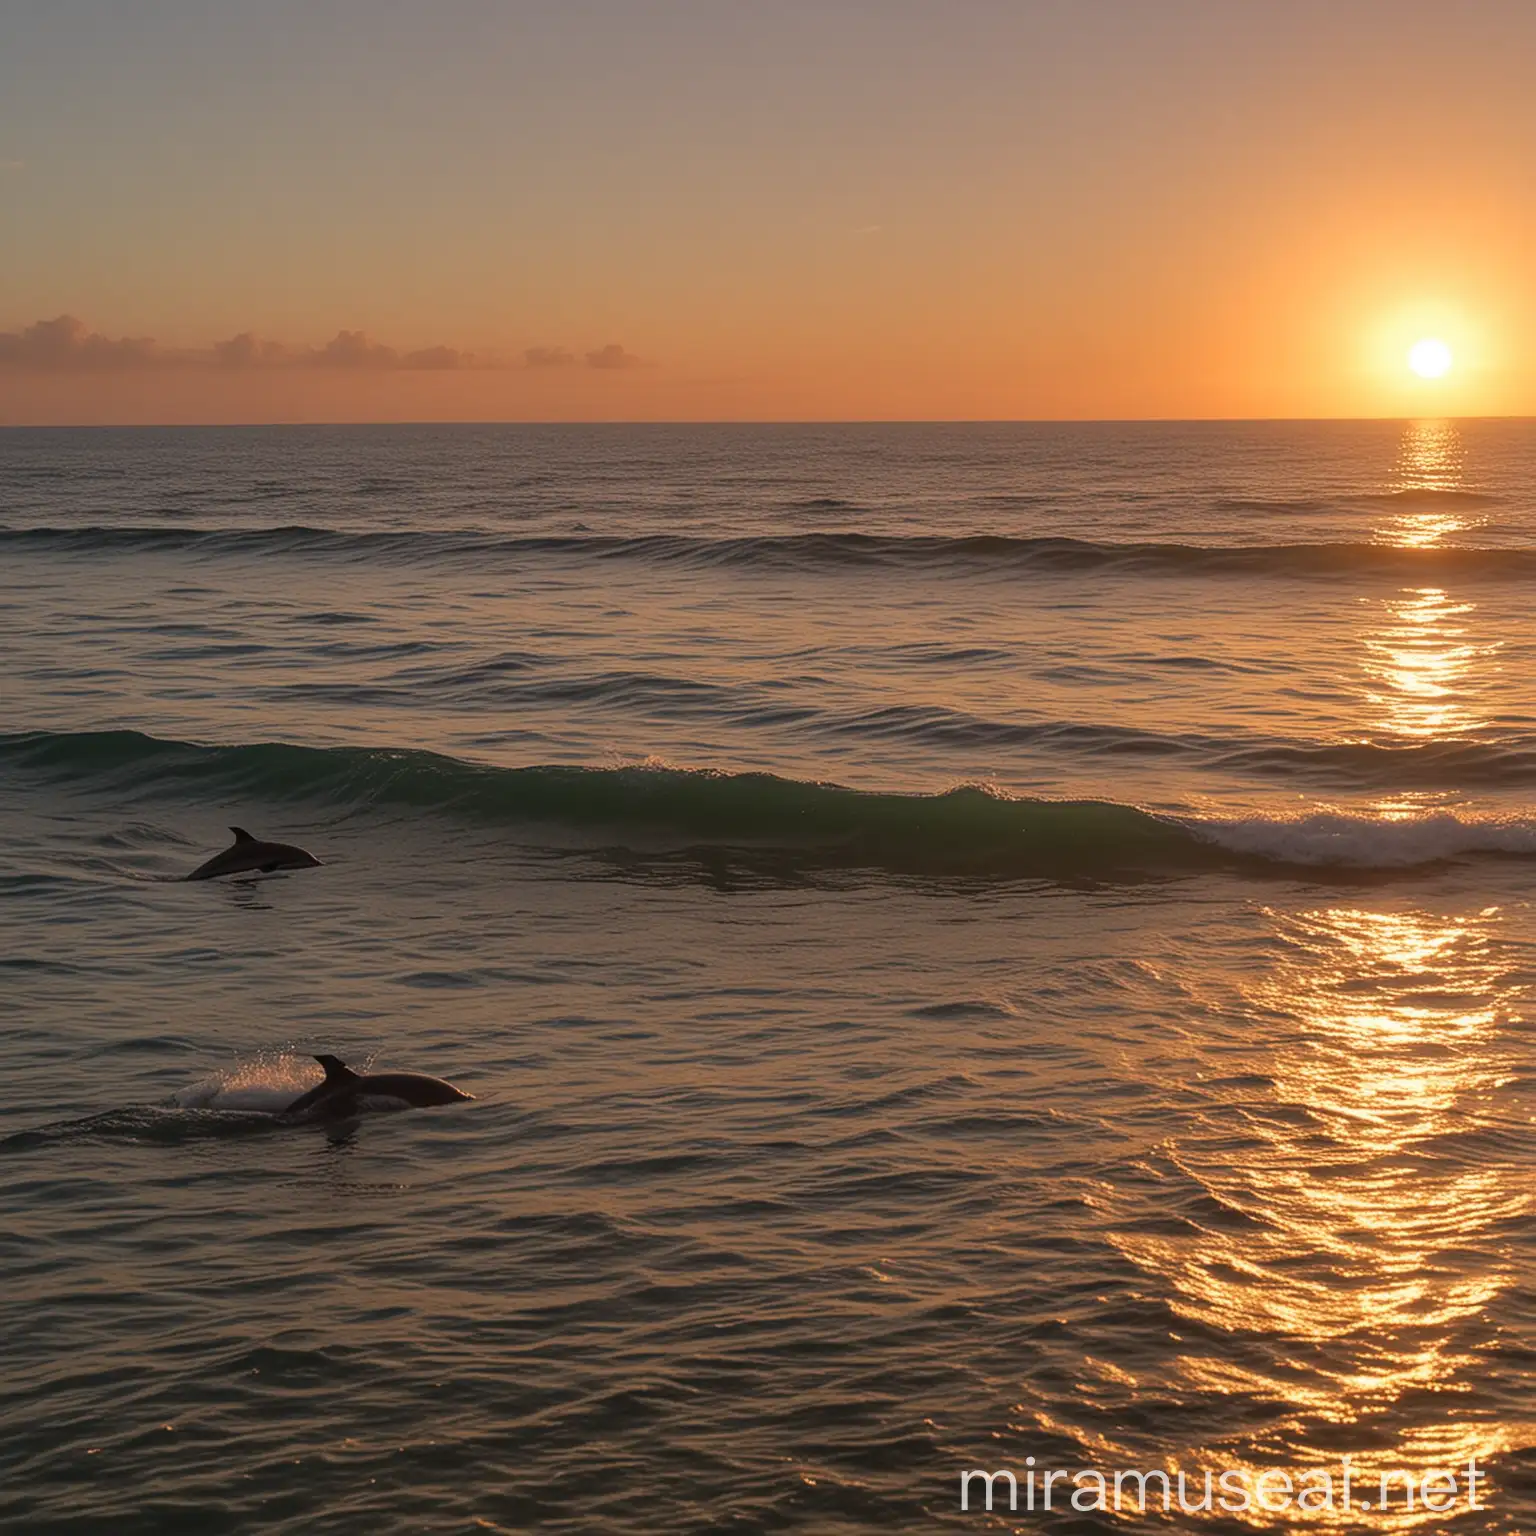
(787, 824)
(1357, 765)
(800, 552)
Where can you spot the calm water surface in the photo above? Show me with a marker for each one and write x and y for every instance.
(969, 943)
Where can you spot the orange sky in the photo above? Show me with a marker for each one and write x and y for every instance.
(849, 209)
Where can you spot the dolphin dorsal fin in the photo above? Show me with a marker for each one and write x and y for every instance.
(336, 1070)
(241, 835)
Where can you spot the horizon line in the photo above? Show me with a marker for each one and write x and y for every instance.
(765, 421)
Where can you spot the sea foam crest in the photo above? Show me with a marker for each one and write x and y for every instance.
(1365, 842)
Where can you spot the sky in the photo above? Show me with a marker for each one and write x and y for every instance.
(355, 210)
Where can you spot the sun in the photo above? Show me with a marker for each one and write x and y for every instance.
(1430, 358)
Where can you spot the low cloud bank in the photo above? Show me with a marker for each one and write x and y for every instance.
(65, 343)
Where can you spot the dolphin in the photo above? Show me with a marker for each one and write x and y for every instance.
(342, 1093)
(248, 854)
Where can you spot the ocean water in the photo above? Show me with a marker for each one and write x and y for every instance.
(969, 943)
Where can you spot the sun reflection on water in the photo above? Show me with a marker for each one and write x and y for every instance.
(1430, 463)
(1355, 1258)
(1422, 653)
(1421, 659)
(1329, 1228)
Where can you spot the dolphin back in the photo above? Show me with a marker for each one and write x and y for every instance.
(413, 1088)
(248, 854)
(339, 1078)
(345, 1092)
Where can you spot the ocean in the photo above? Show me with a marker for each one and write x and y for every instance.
(969, 942)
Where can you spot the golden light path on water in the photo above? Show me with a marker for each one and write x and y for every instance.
(1426, 666)
(1365, 1248)
(1420, 663)
(1430, 459)
(1365, 1186)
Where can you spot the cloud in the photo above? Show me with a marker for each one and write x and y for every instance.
(247, 350)
(64, 342)
(548, 357)
(613, 356)
(352, 349)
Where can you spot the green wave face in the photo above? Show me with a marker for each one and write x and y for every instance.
(965, 830)
(787, 823)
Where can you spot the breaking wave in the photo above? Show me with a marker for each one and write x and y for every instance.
(795, 824)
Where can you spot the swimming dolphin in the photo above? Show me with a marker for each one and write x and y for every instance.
(340, 1095)
(248, 854)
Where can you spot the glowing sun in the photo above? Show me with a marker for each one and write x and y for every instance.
(1430, 358)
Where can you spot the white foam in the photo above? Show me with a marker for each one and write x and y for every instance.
(1368, 842)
